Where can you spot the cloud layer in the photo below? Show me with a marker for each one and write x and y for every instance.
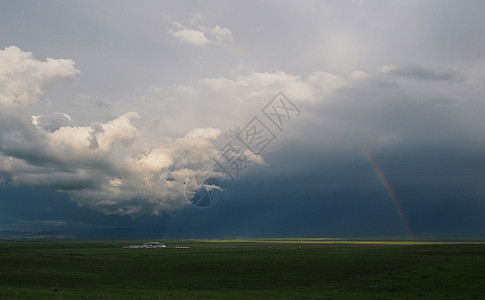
(161, 81)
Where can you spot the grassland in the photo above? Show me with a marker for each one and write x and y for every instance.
(243, 269)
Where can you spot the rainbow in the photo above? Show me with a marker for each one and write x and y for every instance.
(392, 195)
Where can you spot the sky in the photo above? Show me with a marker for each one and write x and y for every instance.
(224, 119)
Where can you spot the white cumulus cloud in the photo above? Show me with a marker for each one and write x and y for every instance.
(23, 79)
(190, 36)
(202, 35)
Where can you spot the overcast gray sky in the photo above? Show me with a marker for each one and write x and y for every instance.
(108, 109)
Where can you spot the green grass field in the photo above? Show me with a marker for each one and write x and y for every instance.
(237, 269)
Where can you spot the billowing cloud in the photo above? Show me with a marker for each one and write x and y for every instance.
(106, 166)
(23, 79)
